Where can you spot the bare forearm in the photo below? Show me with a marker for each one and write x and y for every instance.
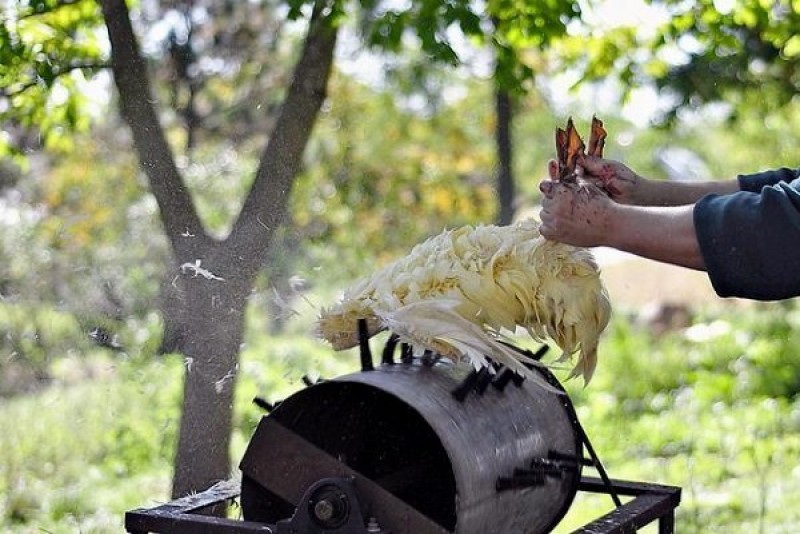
(662, 193)
(664, 234)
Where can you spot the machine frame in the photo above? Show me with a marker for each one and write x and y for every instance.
(650, 503)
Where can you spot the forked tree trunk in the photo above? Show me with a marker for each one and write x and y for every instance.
(204, 302)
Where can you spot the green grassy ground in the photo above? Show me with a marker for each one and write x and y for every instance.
(713, 410)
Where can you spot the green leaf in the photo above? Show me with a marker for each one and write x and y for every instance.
(791, 49)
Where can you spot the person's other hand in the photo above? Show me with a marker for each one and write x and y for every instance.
(576, 214)
(615, 178)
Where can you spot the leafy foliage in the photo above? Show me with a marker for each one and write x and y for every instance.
(222, 67)
(48, 49)
(31, 338)
(383, 178)
(101, 439)
(81, 233)
(727, 52)
(704, 52)
(439, 31)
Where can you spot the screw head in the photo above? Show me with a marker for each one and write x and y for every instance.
(323, 510)
(329, 506)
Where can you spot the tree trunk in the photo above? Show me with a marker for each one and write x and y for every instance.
(505, 177)
(209, 313)
(205, 299)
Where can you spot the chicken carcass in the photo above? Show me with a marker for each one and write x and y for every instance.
(456, 292)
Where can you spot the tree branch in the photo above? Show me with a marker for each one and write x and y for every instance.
(265, 207)
(178, 213)
(63, 70)
(34, 13)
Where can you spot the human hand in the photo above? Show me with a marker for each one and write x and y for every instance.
(576, 214)
(616, 179)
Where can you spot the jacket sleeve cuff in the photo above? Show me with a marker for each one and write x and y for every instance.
(755, 182)
(750, 242)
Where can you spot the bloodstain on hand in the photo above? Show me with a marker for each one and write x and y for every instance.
(610, 176)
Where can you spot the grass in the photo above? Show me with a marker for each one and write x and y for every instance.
(75, 456)
(713, 410)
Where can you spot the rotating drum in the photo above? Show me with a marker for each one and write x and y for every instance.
(459, 463)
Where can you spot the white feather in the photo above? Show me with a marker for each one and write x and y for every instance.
(436, 325)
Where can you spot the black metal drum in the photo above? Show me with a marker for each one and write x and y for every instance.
(503, 459)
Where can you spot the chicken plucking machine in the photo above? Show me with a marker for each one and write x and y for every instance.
(416, 446)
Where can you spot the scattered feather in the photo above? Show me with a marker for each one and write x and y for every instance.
(199, 271)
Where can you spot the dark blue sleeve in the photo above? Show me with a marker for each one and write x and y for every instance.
(750, 241)
(756, 182)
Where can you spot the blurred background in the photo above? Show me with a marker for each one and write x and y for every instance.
(184, 185)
